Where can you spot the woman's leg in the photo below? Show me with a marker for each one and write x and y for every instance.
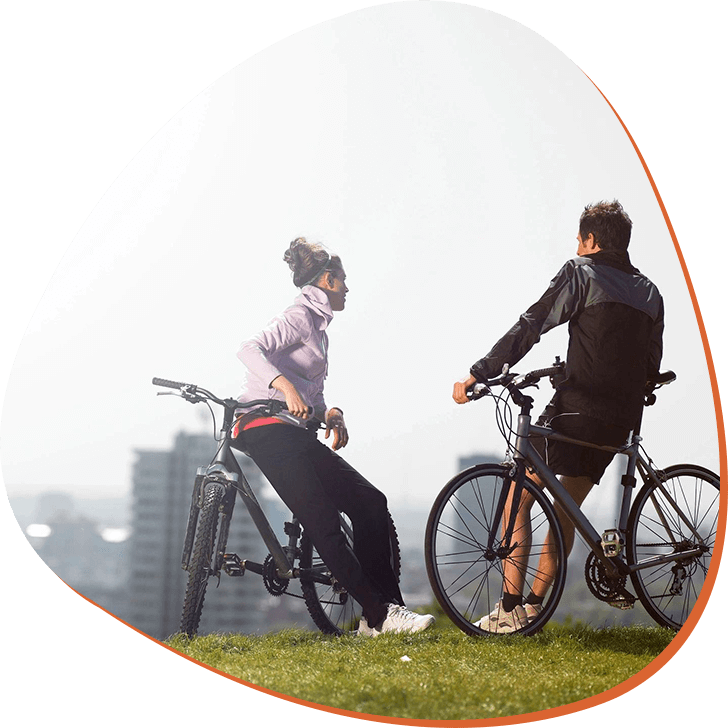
(366, 507)
(284, 455)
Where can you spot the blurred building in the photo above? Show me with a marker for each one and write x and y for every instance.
(86, 555)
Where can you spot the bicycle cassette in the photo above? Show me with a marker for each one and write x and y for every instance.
(276, 585)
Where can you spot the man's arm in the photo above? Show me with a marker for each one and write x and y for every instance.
(558, 304)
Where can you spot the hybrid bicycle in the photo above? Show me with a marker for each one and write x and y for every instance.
(492, 521)
(204, 552)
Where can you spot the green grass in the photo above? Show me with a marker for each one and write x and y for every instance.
(449, 676)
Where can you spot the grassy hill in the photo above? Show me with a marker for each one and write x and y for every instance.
(446, 676)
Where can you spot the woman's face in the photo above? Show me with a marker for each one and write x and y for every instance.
(334, 283)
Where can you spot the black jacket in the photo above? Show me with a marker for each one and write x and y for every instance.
(615, 317)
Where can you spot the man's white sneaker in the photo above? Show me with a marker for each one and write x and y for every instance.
(400, 619)
(501, 622)
(532, 611)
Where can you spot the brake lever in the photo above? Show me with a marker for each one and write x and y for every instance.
(187, 396)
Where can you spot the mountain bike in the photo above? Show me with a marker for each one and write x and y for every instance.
(204, 552)
(662, 544)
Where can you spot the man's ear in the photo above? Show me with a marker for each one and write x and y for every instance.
(592, 243)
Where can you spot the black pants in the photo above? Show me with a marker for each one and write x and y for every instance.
(315, 483)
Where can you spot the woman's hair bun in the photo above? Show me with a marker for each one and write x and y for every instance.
(307, 259)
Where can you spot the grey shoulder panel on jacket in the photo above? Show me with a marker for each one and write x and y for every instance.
(607, 284)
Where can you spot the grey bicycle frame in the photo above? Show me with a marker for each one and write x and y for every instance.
(614, 565)
(225, 463)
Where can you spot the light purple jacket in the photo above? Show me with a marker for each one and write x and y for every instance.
(294, 344)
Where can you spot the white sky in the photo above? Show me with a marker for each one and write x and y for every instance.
(445, 153)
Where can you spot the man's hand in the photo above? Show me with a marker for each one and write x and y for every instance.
(460, 389)
(335, 422)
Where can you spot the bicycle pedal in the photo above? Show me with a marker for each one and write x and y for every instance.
(232, 565)
(622, 604)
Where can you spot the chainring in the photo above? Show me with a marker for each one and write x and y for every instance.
(275, 584)
(603, 587)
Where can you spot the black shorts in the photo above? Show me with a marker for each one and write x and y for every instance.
(575, 460)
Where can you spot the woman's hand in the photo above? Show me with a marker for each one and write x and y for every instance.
(335, 422)
(460, 389)
(294, 404)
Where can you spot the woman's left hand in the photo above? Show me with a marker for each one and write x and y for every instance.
(335, 422)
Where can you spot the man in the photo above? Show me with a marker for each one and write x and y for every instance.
(615, 317)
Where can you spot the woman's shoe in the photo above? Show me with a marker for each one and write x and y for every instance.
(398, 619)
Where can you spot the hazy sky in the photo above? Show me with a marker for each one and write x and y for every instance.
(445, 153)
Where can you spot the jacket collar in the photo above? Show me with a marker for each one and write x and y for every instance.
(317, 301)
(614, 258)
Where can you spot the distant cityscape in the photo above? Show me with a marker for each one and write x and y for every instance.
(124, 554)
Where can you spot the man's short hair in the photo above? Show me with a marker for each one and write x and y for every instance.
(608, 223)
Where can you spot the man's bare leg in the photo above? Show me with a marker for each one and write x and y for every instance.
(578, 488)
(514, 568)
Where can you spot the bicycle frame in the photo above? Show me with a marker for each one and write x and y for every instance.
(225, 465)
(526, 454)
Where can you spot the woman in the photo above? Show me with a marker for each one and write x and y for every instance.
(288, 361)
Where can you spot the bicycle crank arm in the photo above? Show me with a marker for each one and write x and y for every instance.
(258, 569)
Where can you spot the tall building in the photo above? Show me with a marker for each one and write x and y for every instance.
(162, 489)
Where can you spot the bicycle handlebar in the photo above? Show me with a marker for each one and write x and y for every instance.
(512, 380)
(193, 393)
(169, 383)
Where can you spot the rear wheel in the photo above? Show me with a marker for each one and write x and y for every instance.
(677, 515)
(332, 608)
(468, 560)
(202, 556)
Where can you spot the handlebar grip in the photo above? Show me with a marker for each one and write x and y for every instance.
(168, 383)
(548, 372)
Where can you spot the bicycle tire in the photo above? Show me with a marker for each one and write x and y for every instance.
(332, 609)
(654, 528)
(466, 578)
(202, 556)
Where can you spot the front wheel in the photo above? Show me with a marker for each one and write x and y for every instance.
(332, 608)
(470, 564)
(202, 556)
(677, 515)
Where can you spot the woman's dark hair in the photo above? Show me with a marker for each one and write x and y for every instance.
(608, 223)
(308, 261)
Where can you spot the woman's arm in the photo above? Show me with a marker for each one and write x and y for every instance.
(295, 405)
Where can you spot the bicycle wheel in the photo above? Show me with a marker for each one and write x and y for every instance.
(657, 528)
(465, 555)
(201, 560)
(332, 608)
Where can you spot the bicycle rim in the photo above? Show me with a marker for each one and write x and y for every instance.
(657, 528)
(464, 551)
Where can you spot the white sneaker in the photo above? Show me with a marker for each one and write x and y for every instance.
(501, 622)
(364, 629)
(532, 611)
(400, 619)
